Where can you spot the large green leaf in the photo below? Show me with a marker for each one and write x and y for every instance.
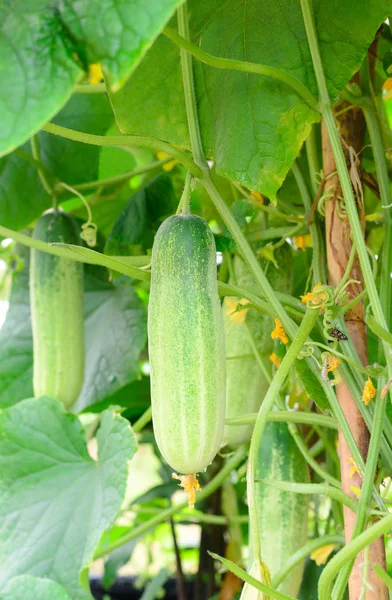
(252, 126)
(44, 43)
(56, 501)
(27, 587)
(115, 329)
(22, 197)
(37, 68)
(116, 33)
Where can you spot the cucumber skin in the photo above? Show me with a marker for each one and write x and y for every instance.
(56, 298)
(186, 345)
(246, 385)
(283, 516)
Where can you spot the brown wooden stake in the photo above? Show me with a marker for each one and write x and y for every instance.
(339, 244)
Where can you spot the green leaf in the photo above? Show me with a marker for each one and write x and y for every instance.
(22, 197)
(115, 560)
(26, 587)
(133, 232)
(311, 384)
(37, 66)
(115, 33)
(52, 491)
(115, 329)
(252, 126)
(45, 43)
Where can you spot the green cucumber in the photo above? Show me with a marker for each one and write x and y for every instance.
(282, 516)
(186, 345)
(56, 297)
(246, 385)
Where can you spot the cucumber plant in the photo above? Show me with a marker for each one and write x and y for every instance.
(230, 311)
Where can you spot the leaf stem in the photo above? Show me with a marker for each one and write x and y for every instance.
(319, 257)
(125, 140)
(286, 416)
(143, 420)
(189, 89)
(109, 181)
(213, 485)
(242, 66)
(41, 173)
(312, 488)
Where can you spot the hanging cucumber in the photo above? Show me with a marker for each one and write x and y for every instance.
(186, 345)
(282, 516)
(246, 385)
(56, 297)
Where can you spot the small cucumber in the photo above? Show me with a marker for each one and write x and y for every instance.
(283, 516)
(186, 345)
(56, 297)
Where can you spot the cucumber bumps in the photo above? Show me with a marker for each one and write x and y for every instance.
(56, 297)
(186, 346)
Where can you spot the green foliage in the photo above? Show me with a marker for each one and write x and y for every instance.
(59, 506)
(52, 474)
(26, 587)
(45, 45)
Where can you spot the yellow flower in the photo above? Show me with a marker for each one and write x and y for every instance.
(275, 359)
(169, 165)
(320, 555)
(387, 87)
(303, 241)
(333, 363)
(369, 391)
(279, 333)
(94, 73)
(315, 297)
(257, 196)
(353, 469)
(190, 485)
(235, 315)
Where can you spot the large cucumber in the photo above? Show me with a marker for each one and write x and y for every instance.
(56, 296)
(283, 516)
(246, 385)
(186, 345)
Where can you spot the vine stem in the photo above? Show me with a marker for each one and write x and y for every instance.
(319, 258)
(213, 485)
(278, 380)
(189, 90)
(366, 491)
(348, 553)
(240, 65)
(356, 230)
(109, 181)
(327, 114)
(41, 172)
(312, 488)
(386, 202)
(125, 140)
(286, 416)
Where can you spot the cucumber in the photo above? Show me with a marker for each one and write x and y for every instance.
(56, 297)
(283, 516)
(246, 385)
(186, 345)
